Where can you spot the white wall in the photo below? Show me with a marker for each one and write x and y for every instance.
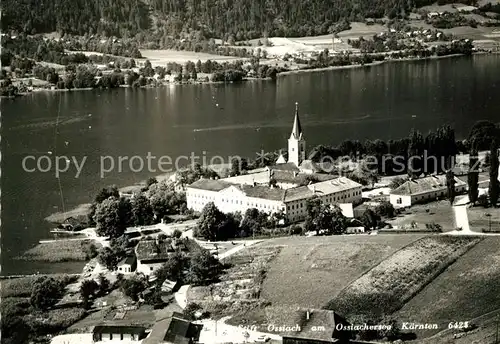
(400, 201)
(148, 268)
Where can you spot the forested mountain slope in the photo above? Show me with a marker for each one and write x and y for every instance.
(215, 18)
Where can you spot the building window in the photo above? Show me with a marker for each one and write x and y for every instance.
(399, 201)
(151, 268)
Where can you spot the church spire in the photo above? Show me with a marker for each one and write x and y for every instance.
(297, 129)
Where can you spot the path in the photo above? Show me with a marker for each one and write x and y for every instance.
(462, 219)
(181, 294)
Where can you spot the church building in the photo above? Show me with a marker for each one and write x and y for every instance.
(284, 187)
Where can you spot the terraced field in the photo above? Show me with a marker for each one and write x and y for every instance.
(393, 282)
(467, 289)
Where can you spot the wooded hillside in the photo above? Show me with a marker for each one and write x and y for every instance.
(214, 18)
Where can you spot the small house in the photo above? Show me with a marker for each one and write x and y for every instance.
(423, 190)
(127, 265)
(117, 333)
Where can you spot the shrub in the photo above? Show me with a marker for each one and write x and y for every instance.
(483, 201)
(295, 230)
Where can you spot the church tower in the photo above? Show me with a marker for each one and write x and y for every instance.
(296, 142)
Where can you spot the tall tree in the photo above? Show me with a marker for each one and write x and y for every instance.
(473, 175)
(450, 185)
(494, 189)
(112, 217)
(210, 222)
(46, 292)
(142, 211)
(415, 152)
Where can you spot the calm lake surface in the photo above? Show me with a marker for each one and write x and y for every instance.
(366, 103)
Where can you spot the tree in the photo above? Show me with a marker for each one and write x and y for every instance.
(397, 182)
(385, 209)
(339, 221)
(132, 287)
(112, 216)
(46, 292)
(190, 311)
(370, 219)
(253, 221)
(203, 268)
(482, 134)
(150, 182)
(142, 211)
(210, 222)
(172, 269)
(473, 176)
(88, 288)
(104, 284)
(108, 258)
(494, 188)
(450, 185)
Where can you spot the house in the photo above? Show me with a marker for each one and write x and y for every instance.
(317, 326)
(127, 265)
(174, 330)
(152, 254)
(423, 190)
(116, 332)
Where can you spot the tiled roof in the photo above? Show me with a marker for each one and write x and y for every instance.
(424, 185)
(174, 330)
(209, 184)
(127, 260)
(321, 188)
(264, 192)
(154, 249)
(289, 166)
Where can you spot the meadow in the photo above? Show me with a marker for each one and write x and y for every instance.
(467, 289)
(388, 286)
(311, 271)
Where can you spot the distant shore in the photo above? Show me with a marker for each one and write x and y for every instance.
(289, 72)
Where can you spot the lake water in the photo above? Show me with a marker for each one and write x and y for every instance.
(383, 102)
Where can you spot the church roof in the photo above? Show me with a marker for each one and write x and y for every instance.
(297, 129)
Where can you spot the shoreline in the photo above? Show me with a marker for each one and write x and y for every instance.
(247, 79)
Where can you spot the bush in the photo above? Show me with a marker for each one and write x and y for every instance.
(296, 230)
(483, 201)
(177, 234)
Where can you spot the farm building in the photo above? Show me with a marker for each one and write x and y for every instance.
(152, 254)
(127, 265)
(175, 330)
(117, 333)
(423, 190)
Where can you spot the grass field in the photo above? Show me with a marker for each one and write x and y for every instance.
(164, 56)
(388, 286)
(467, 289)
(479, 218)
(311, 271)
(59, 251)
(439, 212)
